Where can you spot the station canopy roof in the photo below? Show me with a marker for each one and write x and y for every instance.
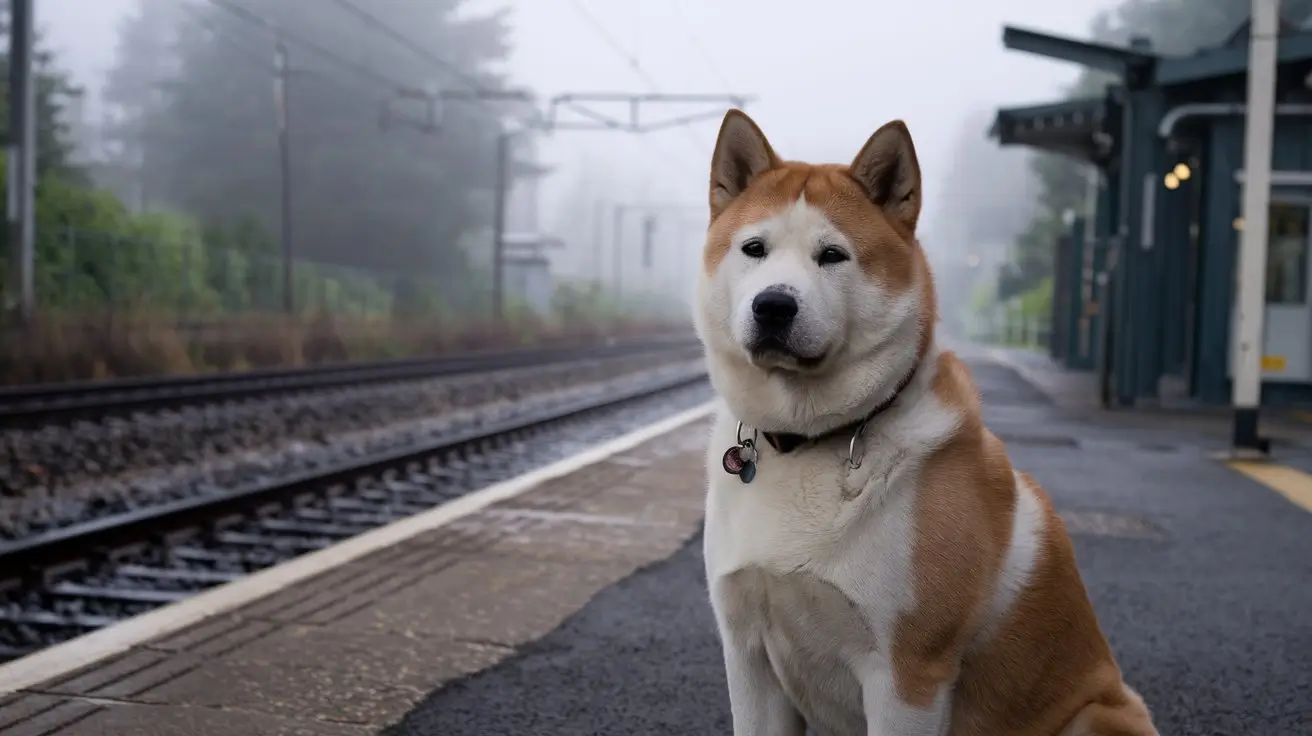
(1082, 128)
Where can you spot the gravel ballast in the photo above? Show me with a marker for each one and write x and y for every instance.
(55, 476)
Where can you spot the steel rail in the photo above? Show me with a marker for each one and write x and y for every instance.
(38, 559)
(55, 403)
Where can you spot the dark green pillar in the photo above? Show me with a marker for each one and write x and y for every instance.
(1138, 323)
(1075, 323)
(1059, 336)
(1107, 220)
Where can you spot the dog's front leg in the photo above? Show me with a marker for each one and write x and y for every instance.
(759, 704)
(887, 714)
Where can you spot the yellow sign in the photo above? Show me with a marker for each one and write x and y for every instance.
(1273, 362)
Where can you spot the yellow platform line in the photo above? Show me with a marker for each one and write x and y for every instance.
(1291, 483)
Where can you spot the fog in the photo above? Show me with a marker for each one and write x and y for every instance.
(822, 74)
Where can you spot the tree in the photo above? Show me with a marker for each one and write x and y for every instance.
(394, 199)
(131, 96)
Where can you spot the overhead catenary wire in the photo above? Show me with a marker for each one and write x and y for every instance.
(410, 44)
(317, 49)
(700, 47)
(609, 38)
(259, 58)
(263, 59)
(481, 93)
(605, 34)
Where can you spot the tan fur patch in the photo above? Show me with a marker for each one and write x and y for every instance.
(882, 247)
(963, 524)
(1047, 669)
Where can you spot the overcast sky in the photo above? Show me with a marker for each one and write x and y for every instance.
(825, 74)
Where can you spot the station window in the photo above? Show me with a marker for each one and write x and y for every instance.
(1287, 253)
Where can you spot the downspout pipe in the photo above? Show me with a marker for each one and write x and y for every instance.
(1218, 109)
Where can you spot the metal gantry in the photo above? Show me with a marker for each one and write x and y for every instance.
(581, 104)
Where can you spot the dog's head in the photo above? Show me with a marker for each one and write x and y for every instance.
(815, 298)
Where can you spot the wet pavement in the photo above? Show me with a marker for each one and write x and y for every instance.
(1202, 580)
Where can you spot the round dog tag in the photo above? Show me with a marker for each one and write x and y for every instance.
(733, 461)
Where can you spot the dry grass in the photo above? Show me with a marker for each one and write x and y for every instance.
(64, 348)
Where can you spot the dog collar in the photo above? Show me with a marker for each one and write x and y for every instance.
(786, 442)
(740, 460)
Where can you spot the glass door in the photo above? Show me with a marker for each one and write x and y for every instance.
(1287, 343)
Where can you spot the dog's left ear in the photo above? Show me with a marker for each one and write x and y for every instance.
(888, 169)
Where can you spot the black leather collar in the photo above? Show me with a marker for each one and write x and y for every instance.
(786, 442)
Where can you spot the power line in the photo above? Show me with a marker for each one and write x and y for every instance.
(615, 45)
(261, 59)
(699, 46)
(633, 62)
(478, 94)
(378, 25)
(257, 58)
(255, 19)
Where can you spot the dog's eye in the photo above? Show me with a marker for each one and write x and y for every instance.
(754, 248)
(830, 255)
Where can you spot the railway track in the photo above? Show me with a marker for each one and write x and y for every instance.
(67, 582)
(45, 404)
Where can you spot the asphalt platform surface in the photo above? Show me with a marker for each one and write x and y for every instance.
(1202, 580)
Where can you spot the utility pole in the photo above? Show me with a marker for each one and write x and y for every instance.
(432, 124)
(617, 239)
(1258, 124)
(285, 152)
(648, 234)
(21, 204)
(648, 250)
(499, 223)
(598, 239)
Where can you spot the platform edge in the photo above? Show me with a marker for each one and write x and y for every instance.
(77, 653)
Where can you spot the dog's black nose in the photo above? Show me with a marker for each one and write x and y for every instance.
(774, 309)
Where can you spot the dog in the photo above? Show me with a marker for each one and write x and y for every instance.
(875, 564)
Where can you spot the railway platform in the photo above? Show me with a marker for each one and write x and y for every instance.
(572, 600)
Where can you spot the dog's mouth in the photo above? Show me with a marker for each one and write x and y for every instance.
(771, 352)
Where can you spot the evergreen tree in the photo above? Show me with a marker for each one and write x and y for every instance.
(391, 198)
(131, 96)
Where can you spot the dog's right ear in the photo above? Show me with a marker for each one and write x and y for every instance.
(741, 154)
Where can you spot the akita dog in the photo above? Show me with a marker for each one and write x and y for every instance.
(875, 564)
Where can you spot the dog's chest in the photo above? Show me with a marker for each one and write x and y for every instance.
(810, 509)
(812, 561)
(817, 641)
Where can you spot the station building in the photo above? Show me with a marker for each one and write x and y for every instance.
(1145, 286)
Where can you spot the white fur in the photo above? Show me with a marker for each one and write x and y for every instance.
(808, 538)
(1027, 528)
(794, 236)
(868, 331)
(809, 522)
(810, 565)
